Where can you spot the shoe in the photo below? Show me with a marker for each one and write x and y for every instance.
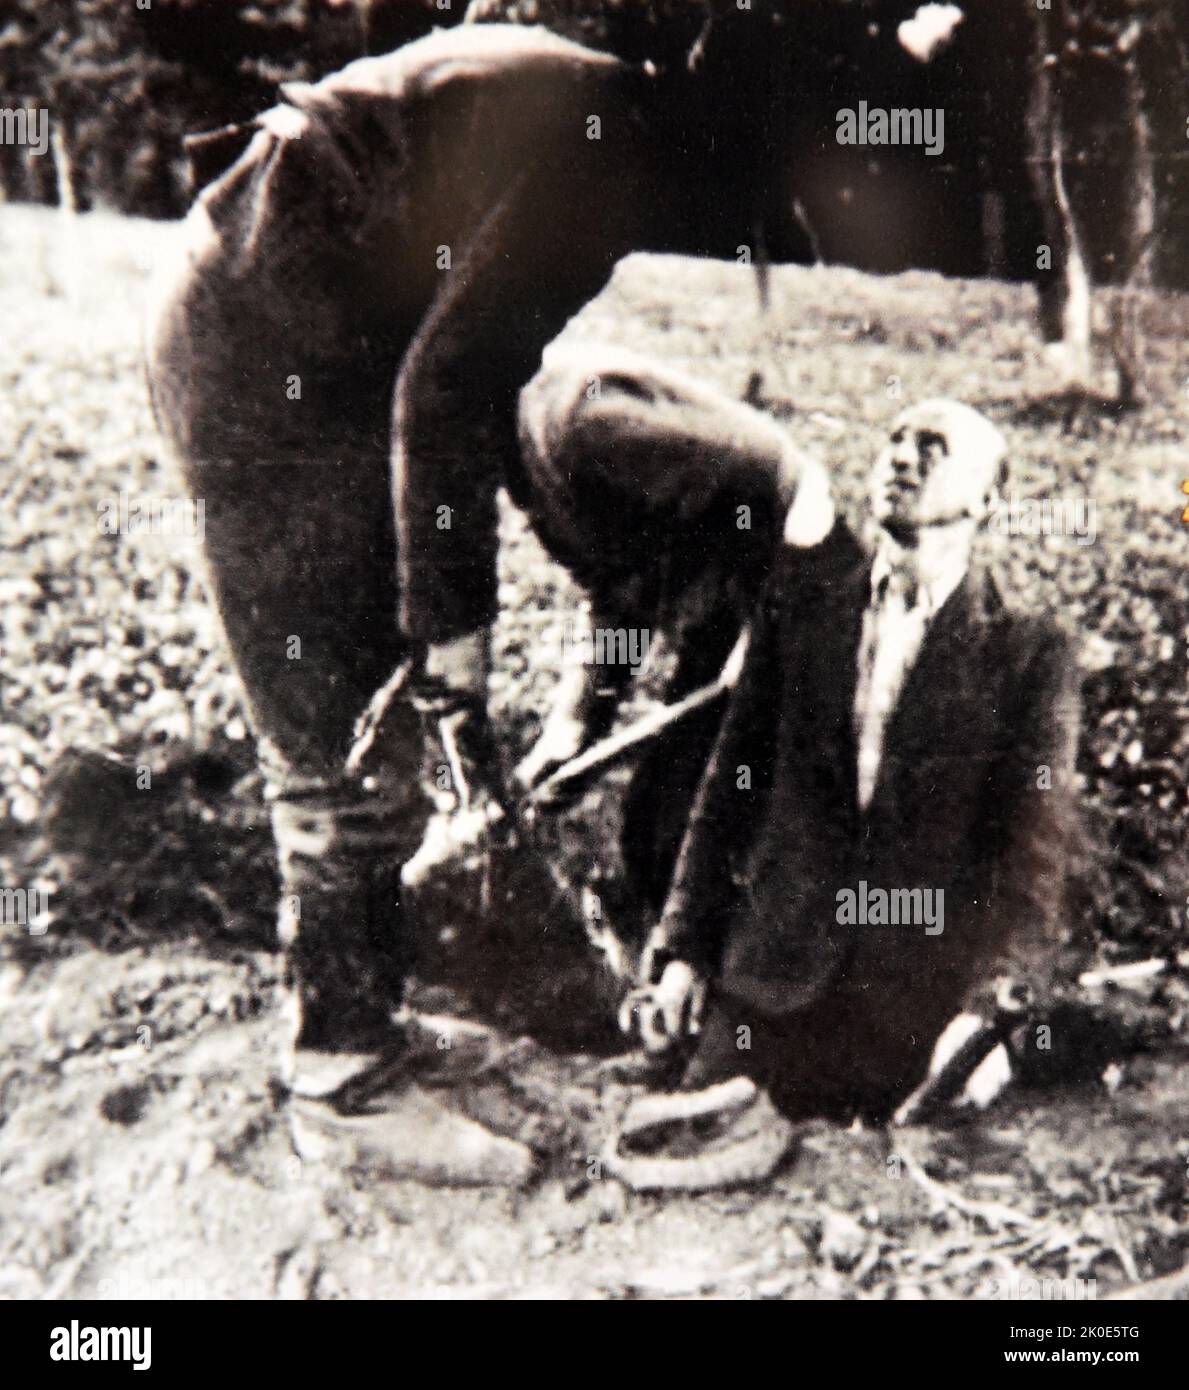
(415, 1137)
(724, 1136)
(365, 1111)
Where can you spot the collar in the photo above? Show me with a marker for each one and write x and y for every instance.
(933, 568)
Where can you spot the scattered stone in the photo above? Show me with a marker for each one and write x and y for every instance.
(126, 1104)
(843, 1240)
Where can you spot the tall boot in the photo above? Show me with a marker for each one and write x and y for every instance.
(352, 1069)
(340, 919)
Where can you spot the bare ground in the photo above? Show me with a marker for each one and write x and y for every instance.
(143, 1151)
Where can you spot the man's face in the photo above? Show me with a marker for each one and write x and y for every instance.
(938, 466)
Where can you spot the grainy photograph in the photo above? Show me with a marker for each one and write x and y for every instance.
(593, 655)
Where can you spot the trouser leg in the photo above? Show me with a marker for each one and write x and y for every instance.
(319, 568)
(832, 1059)
(271, 371)
(300, 554)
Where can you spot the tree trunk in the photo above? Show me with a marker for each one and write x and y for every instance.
(1126, 335)
(63, 274)
(1065, 304)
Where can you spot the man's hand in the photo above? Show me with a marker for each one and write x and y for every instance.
(668, 1011)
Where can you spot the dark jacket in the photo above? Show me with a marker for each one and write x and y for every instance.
(961, 805)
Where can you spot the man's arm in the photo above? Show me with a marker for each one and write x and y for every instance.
(691, 924)
(728, 803)
(1033, 794)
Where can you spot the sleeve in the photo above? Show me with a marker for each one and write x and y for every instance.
(725, 817)
(515, 279)
(1034, 794)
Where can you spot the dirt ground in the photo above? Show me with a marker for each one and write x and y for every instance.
(143, 1150)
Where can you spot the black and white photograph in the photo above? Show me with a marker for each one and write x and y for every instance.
(594, 658)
